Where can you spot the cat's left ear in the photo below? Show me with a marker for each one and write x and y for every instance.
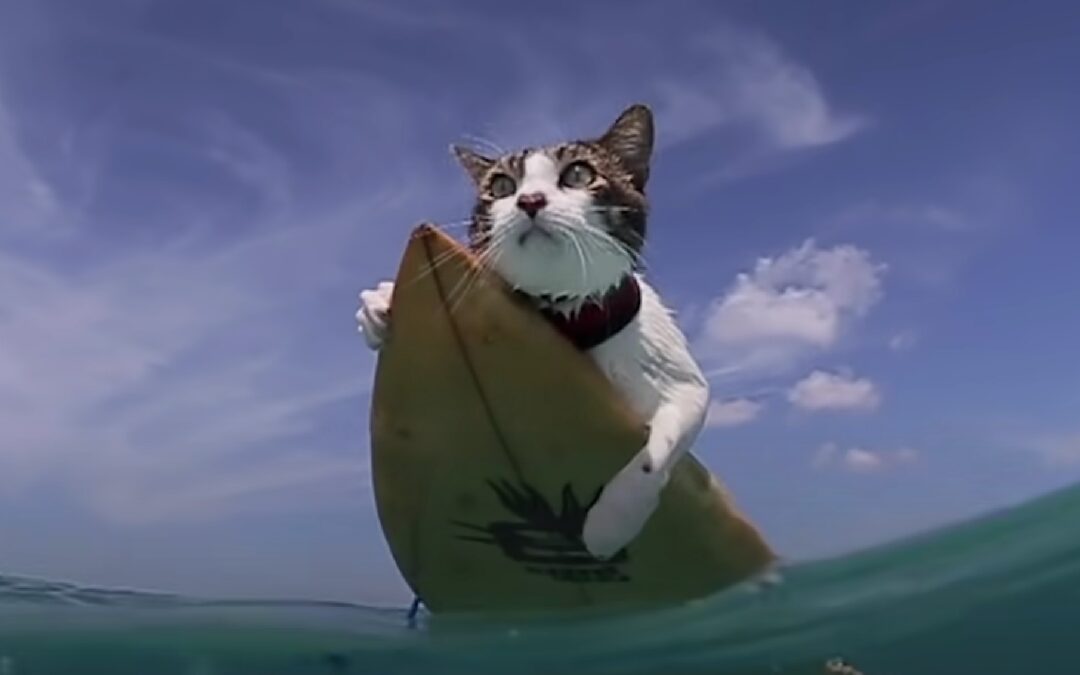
(630, 138)
(475, 164)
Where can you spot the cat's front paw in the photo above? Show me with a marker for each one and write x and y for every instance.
(624, 506)
(373, 316)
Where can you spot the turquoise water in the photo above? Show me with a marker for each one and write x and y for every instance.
(999, 595)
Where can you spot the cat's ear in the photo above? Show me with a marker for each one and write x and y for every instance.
(630, 138)
(475, 164)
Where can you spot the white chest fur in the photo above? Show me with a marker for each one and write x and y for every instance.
(649, 362)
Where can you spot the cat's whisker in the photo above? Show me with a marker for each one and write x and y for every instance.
(439, 260)
(444, 257)
(487, 143)
(570, 230)
(456, 297)
(611, 243)
(483, 263)
(461, 288)
(470, 280)
(563, 227)
(481, 259)
(630, 249)
(582, 257)
(635, 253)
(455, 225)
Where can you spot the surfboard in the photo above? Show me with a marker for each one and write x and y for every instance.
(491, 434)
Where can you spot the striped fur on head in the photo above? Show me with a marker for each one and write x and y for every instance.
(595, 207)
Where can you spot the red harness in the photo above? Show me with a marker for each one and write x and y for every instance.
(597, 320)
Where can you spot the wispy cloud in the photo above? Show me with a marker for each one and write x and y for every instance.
(903, 341)
(905, 215)
(743, 91)
(28, 205)
(834, 391)
(863, 460)
(1059, 451)
(938, 230)
(746, 81)
(153, 374)
(184, 348)
(733, 412)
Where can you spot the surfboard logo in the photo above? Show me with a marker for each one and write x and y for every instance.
(545, 540)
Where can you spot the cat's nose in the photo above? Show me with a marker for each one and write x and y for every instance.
(532, 203)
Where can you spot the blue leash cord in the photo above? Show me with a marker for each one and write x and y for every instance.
(413, 611)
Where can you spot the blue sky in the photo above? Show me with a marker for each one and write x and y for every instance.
(865, 214)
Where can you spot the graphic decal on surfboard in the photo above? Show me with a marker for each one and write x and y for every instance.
(544, 540)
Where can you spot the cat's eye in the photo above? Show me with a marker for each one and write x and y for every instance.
(502, 186)
(577, 175)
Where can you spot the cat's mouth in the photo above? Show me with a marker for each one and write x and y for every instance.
(534, 228)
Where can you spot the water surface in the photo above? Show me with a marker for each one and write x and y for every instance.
(995, 596)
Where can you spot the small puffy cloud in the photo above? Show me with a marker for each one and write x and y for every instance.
(862, 460)
(790, 307)
(821, 390)
(733, 412)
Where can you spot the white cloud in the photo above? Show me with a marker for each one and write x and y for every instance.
(753, 81)
(822, 390)
(741, 81)
(788, 307)
(862, 460)
(733, 412)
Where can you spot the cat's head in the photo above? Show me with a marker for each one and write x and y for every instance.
(565, 219)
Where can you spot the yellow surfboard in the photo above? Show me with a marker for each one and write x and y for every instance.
(491, 435)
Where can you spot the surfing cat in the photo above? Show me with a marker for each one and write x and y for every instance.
(564, 224)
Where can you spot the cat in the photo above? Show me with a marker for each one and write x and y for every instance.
(565, 225)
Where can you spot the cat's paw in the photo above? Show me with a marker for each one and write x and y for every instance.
(624, 506)
(373, 316)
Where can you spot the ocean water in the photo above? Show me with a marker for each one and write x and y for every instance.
(994, 596)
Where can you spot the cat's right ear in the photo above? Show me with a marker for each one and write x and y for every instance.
(630, 139)
(475, 164)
